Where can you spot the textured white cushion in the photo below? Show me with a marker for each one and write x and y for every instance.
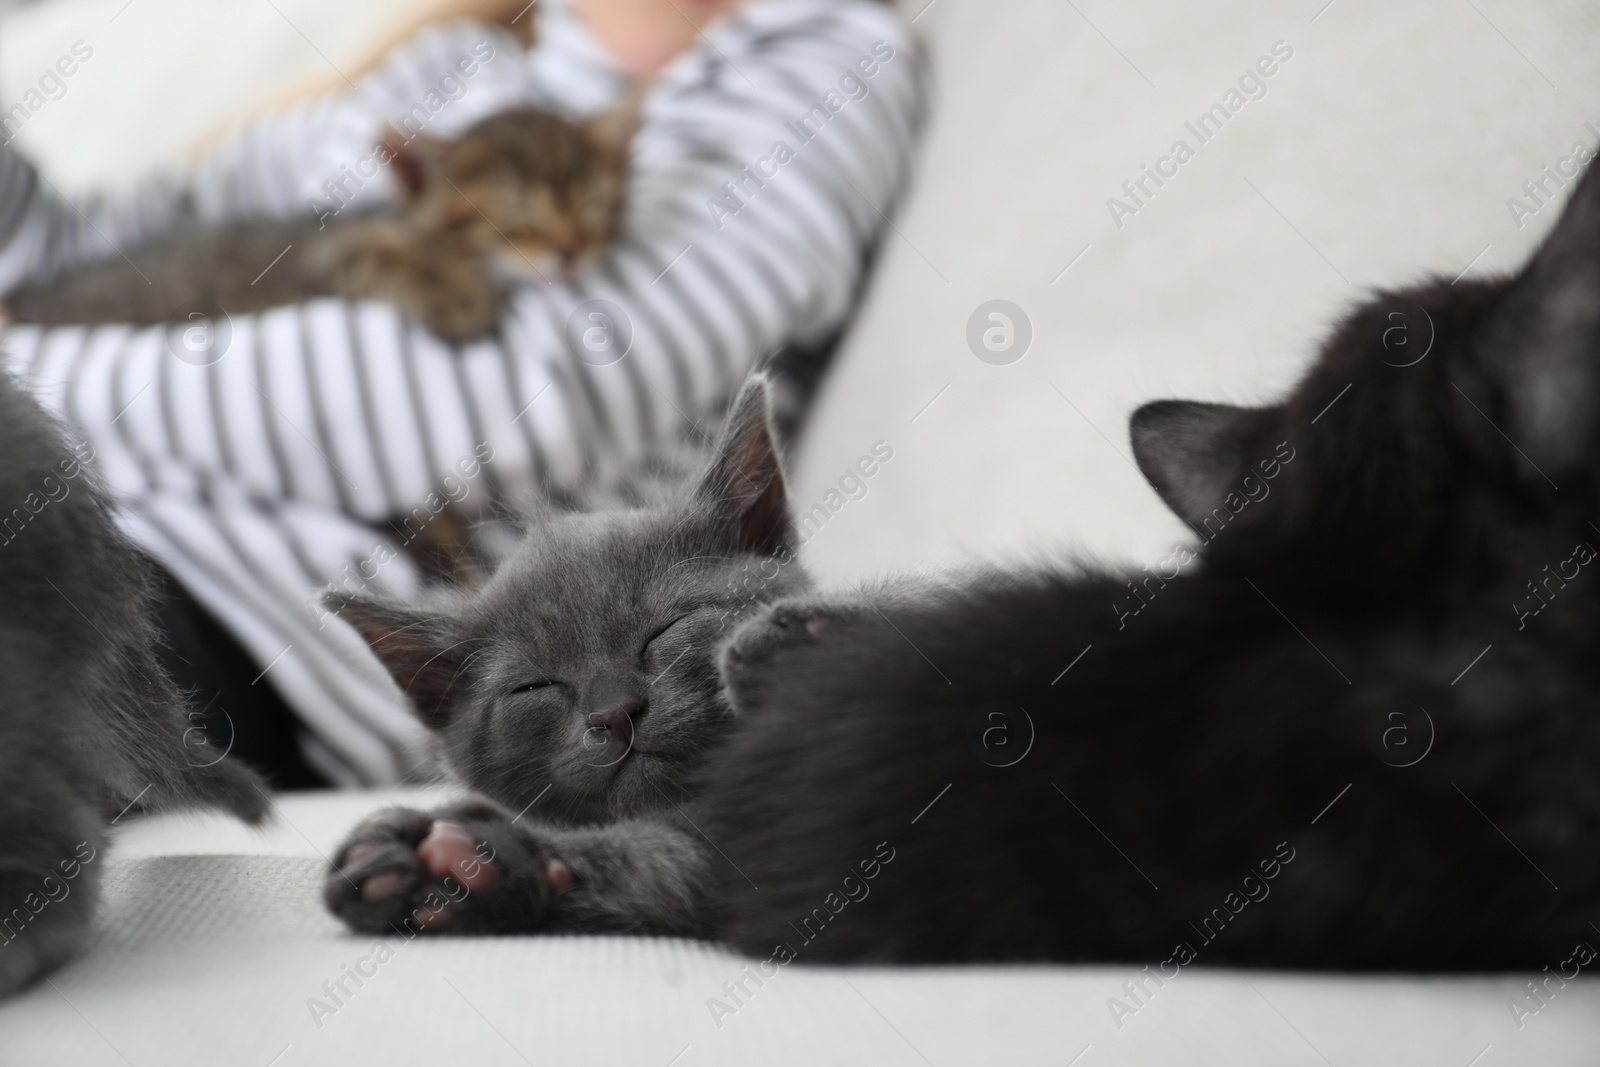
(1386, 145)
(213, 948)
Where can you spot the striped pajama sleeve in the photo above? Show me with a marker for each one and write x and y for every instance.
(272, 462)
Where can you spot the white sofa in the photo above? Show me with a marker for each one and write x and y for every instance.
(1386, 145)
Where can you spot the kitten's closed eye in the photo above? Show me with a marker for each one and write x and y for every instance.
(653, 637)
(685, 630)
(531, 687)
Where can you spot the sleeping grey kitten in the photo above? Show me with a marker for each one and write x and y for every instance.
(578, 689)
(90, 725)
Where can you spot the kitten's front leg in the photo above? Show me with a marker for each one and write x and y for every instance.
(470, 869)
(776, 633)
(441, 282)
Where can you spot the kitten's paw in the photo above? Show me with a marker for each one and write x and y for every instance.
(786, 625)
(444, 286)
(461, 321)
(468, 871)
(234, 788)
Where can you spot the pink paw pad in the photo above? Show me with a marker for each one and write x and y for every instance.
(380, 885)
(449, 851)
(359, 854)
(558, 875)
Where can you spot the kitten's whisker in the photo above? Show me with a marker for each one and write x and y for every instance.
(465, 663)
(692, 559)
(436, 655)
(428, 621)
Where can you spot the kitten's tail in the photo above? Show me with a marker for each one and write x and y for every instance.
(160, 756)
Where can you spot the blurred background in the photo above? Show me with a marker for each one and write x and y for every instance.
(1386, 147)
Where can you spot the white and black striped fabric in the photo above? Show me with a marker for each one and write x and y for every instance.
(264, 457)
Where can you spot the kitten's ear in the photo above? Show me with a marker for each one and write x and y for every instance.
(413, 162)
(1191, 453)
(613, 129)
(744, 482)
(420, 649)
(1545, 337)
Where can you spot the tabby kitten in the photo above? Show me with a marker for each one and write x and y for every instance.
(90, 725)
(1362, 733)
(523, 195)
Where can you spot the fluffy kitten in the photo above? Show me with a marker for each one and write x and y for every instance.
(524, 194)
(1359, 731)
(579, 687)
(90, 725)
(1362, 733)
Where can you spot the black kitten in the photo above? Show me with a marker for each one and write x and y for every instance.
(89, 723)
(580, 688)
(1363, 733)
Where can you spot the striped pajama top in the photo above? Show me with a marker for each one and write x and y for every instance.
(262, 458)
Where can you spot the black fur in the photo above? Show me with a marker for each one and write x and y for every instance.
(1323, 641)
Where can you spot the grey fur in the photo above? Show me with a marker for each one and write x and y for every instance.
(596, 611)
(90, 725)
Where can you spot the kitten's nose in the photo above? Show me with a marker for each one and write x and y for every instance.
(618, 720)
